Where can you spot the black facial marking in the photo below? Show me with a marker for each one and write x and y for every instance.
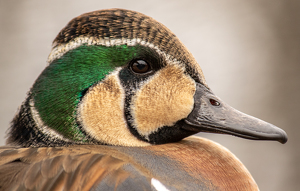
(132, 81)
(131, 84)
(24, 131)
(168, 134)
(129, 118)
(82, 93)
(144, 54)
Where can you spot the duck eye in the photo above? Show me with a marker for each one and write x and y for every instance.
(140, 66)
(214, 102)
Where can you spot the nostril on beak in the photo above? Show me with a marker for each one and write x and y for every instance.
(214, 102)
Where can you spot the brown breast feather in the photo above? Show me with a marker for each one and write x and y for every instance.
(194, 164)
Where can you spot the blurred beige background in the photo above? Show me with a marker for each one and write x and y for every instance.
(249, 52)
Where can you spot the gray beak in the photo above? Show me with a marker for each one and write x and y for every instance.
(211, 114)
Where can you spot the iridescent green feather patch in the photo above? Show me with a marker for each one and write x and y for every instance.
(58, 90)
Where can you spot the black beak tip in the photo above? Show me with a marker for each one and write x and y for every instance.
(283, 137)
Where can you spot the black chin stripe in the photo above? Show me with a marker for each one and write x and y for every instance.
(129, 119)
(169, 134)
(164, 134)
(130, 85)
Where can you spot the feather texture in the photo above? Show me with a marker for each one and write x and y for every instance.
(97, 167)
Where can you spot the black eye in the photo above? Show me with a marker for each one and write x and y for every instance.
(214, 102)
(140, 66)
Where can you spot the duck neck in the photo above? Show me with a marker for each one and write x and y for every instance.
(26, 131)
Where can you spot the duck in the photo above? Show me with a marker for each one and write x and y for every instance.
(116, 108)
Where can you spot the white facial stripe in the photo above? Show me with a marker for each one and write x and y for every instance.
(60, 50)
(42, 127)
(158, 185)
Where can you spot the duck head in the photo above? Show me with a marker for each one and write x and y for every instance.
(118, 77)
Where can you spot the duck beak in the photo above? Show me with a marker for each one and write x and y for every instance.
(211, 114)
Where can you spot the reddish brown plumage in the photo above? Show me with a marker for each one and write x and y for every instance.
(209, 161)
(196, 164)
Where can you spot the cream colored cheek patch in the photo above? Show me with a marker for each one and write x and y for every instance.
(102, 114)
(163, 100)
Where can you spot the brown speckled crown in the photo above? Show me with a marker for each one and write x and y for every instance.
(120, 23)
